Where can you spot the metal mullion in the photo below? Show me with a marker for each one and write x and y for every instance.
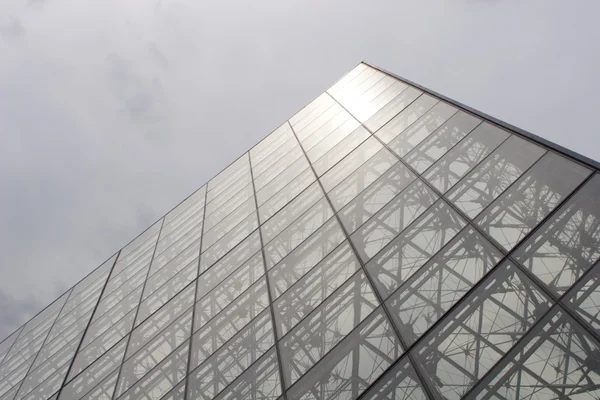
(157, 334)
(362, 265)
(136, 313)
(281, 173)
(368, 319)
(58, 393)
(342, 111)
(225, 234)
(414, 149)
(293, 285)
(507, 255)
(154, 368)
(189, 356)
(274, 154)
(504, 125)
(266, 275)
(318, 307)
(134, 326)
(30, 369)
(178, 226)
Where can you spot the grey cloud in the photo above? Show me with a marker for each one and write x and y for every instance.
(11, 27)
(109, 121)
(15, 311)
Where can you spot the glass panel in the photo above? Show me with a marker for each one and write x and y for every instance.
(297, 232)
(56, 365)
(88, 286)
(186, 259)
(375, 196)
(230, 240)
(299, 167)
(557, 361)
(133, 245)
(155, 351)
(410, 137)
(229, 173)
(399, 213)
(368, 103)
(489, 179)
(324, 123)
(414, 247)
(122, 272)
(184, 221)
(395, 106)
(316, 146)
(482, 329)
(130, 292)
(462, 158)
(162, 379)
(347, 78)
(192, 201)
(231, 185)
(407, 117)
(568, 244)
(304, 257)
(400, 383)
(271, 142)
(290, 212)
(320, 331)
(294, 157)
(441, 283)
(236, 197)
(161, 319)
(365, 175)
(190, 227)
(228, 290)
(228, 322)
(63, 331)
(259, 382)
(349, 164)
(212, 376)
(7, 343)
(104, 390)
(334, 155)
(239, 258)
(584, 298)
(228, 223)
(314, 287)
(177, 393)
(236, 256)
(326, 135)
(352, 365)
(312, 111)
(166, 293)
(111, 334)
(12, 375)
(46, 388)
(530, 199)
(286, 194)
(276, 156)
(139, 255)
(93, 375)
(441, 141)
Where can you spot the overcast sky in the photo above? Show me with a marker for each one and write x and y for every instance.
(112, 111)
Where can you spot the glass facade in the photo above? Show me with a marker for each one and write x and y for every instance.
(383, 243)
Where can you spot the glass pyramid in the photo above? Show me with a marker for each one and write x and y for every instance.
(383, 243)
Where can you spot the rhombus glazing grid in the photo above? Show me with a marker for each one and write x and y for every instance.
(384, 242)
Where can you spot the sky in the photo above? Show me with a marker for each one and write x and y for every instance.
(113, 111)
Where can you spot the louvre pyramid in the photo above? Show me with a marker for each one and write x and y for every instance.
(383, 243)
